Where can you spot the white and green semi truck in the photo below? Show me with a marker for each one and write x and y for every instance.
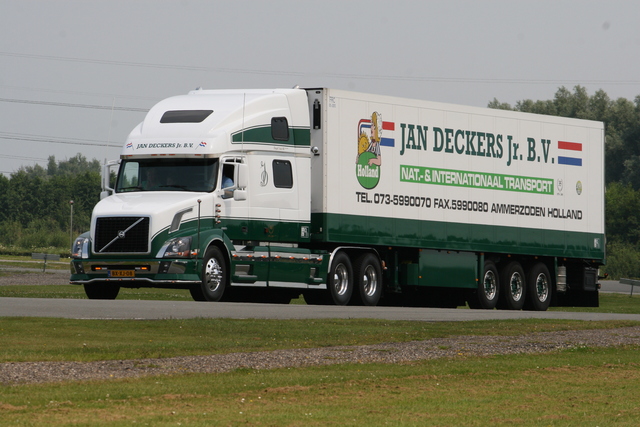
(350, 198)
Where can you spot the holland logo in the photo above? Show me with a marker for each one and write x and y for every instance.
(572, 153)
(370, 139)
(130, 145)
(202, 144)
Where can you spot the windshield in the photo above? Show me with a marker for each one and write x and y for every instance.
(167, 175)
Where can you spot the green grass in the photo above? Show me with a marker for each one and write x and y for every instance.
(609, 303)
(47, 339)
(585, 386)
(77, 292)
(16, 261)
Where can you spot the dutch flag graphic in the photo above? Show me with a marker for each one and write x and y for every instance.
(571, 153)
(386, 126)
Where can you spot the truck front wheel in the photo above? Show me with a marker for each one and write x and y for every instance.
(101, 290)
(214, 277)
(368, 281)
(340, 280)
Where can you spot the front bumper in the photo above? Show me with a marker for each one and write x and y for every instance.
(136, 273)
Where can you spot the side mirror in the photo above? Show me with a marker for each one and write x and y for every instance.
(106, 175)
(242, 169)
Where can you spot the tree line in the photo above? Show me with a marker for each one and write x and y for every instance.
(621, 119)
(36, 208)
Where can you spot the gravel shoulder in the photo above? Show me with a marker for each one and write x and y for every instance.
(465, 346)
(10, 277)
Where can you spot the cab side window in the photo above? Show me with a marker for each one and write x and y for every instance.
(228, 174)
(282, 174)
(279, 129)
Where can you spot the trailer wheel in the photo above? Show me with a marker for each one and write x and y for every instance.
(368, 280)
(214, 277)
(486, 296)
(101, 290)
(340, 280)
(538, 288)
(514, 287)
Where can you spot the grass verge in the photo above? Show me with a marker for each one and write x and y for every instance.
(45, 339)
(585, 386)
(77, 292)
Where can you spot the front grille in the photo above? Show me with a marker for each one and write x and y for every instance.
(122, 234)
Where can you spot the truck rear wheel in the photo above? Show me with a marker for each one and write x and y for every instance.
(514, 287)
(101, 290)
(340, 280)
(214, 277)
(538, 288)
(486, 296)
(368, 280)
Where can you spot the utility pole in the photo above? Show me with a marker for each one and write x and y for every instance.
(71, 227)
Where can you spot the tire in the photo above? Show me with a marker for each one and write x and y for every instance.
(316, 297)
(196, 293)
(101, 290)
(486, 296)
(539, 288)
(514, 287)
(368, 280)
(340, 279)
(214, 277)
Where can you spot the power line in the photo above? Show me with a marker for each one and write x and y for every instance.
(56, 140)
(82, 93)
(35, 159)
(433, 79)
(68, 104)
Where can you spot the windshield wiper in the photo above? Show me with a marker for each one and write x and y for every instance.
(182, 187)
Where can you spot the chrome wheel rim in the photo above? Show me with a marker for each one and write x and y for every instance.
(490, 285)
(542, 287)
(516, 286)
(213, 275)
(341, 279)
(370, 281)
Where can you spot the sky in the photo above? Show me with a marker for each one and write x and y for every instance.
(78, 76)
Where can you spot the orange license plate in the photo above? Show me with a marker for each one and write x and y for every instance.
(122, 273)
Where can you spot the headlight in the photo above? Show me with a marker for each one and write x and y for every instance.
(180, 247)
(80, 248)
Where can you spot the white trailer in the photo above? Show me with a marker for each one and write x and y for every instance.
(349, 198)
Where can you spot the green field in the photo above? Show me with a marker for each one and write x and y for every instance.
(582, 386)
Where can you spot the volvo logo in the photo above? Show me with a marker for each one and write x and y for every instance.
(121, 234)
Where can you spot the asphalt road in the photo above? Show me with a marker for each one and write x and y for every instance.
(131, 309)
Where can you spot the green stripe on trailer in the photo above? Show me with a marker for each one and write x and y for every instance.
(376, 231)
